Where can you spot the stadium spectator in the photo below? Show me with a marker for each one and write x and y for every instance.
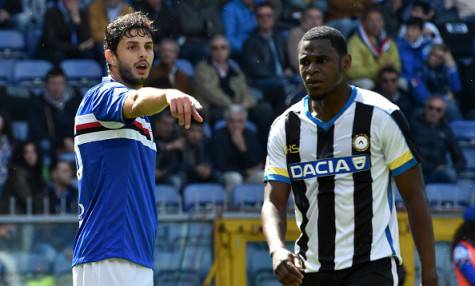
(423, 10)
(439, 75)
(101, 13)
(25, 181)
(344, 14)
(166, 74)
(197, 157)
(198, 20)
(436, 140)
(264, 58)
(22, 15)
(392, 15)
(51, 115)
(6, 148)
(66, 33)
(302, 5)
(465, 9)
(463, 249)
(371, 49)
(169, 169)
(61, 192)
(163, 18)
(219, 82)
(311, 17)
(239, 21)
(388, 86)
(237, 152)
(413, 50)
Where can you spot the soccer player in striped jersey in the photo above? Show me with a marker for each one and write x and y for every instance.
(115, 155)
(342, 151)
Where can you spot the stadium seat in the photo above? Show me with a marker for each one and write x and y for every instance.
(469, 153)
(12, 44)
(197, 257)
(6, 70)
(248, 196)
(30, 73)
(199, 197)
(167, 199)
(166, 260)
(83, 73)
(464, 131)
(186, 67)
(458, 36)
(260, 262)
(443, 196)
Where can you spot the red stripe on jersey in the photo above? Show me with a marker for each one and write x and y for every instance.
(89, 125)
(140, 126)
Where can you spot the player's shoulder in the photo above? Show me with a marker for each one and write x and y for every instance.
(376, 100)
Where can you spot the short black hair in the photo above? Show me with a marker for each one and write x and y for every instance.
(415, 22)
(53, 72)
(264, 4)
(388, 69)
(124, 25)
(424, 5)
(369, 10)
(325, 32)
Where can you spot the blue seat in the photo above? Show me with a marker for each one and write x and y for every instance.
(12, 44)
(259, 262)
(464, 130)
(248, 196)
(167, 199)
(469, 153)
(30, 72)
(443, 196)
(201, 197)
(6, 70)
(82, 72)
(467, 187)
(167, 260)
(186, 67)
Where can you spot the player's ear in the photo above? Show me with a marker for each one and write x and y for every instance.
(346, 62)
(110, 57)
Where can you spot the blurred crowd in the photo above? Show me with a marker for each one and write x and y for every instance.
(239, 58)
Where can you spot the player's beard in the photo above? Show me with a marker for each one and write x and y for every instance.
(128, 76)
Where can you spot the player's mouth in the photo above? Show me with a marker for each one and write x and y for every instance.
(141, 67)
(314, 83)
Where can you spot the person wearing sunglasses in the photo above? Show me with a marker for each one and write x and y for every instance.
(387, 84)
(435, 140)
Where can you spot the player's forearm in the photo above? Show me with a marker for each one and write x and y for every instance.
(145, 102)
(421, 226)
(274, 222)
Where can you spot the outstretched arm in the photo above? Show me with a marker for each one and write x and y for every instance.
(148, 101)
(411, 187)
(274, 221)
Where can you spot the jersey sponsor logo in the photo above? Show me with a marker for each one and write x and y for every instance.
(360, 142)
(329, 167)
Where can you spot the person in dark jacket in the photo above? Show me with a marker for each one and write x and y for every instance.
(237, 152)
(264, 58)
(66, 33)
(163, 18)
(51, 116)
(435, 140)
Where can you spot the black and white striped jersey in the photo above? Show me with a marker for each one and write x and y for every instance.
(341, 173)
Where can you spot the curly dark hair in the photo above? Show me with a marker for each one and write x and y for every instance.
(129, 25)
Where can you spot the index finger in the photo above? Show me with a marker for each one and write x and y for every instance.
(196, 115)
(187, 110)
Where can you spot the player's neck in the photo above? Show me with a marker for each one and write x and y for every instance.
(328, 107)
(116, 77)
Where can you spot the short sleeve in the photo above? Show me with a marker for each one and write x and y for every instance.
(276, 160)
(399, 149)
(108, 103)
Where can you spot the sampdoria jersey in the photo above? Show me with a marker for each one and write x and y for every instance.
(341, 173)
(116, 163)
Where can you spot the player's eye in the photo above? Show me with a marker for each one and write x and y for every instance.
(304, 61)
(131, 48)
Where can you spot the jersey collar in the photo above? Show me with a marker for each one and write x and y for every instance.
(329, 123)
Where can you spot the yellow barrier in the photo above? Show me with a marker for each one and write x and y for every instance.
(231, 236)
